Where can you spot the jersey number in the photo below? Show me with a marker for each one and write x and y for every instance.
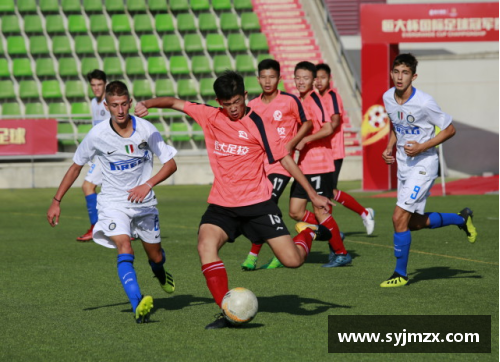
(275, 219)
(416, 190)
(317, 182)
(277, 183)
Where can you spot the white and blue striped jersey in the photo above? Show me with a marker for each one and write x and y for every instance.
(415, 120)
(99, 111)
(125, 162)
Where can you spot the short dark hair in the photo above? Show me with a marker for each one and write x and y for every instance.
(324, 67)
(96, 74)
(269, 64)
(306, 66)
(117, 88)
(407, 59)
(228, 85)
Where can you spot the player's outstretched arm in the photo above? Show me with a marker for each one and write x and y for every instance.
(55, 210)
(141, 109)
(139, 193)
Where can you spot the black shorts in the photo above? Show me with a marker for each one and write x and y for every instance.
(338, 166)
(279, 184)
(258, 222)
(321, 182)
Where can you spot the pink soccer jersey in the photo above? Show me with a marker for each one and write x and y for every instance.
(237, 150)
(334, 105)
(316, 157)
(286, 114)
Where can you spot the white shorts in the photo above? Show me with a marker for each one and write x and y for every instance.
(414, 191)
(94, 175)
(137, 222)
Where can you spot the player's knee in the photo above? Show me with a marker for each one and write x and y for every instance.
(206, 247)
(292, 263)
(296, 215)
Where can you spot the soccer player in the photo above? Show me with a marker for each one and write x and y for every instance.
(97, 80)
(124, 148)
(238, 141)
(335, 107)
(284, 111)
(414, 116)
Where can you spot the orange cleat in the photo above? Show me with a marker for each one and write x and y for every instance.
(87, 236)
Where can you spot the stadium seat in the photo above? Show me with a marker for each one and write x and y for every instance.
(7, 6)
(252, 86)
(250, 21)
(157, 65)
(179, 5)
(91, 6)
(120, 23)
(81, 108)
(16, 45)
(26, 6)
(75, 89)
(83, 45)
(49, 6)
(51, 89)
(4, 68)
(89, 64)
(221, 5)
(82, 129)
(141, 88)
(54, 24)
(242, 5)
(199, 5)
(11, 109)
(157, 6)
(179, 65)
(113, 66)
(45, 67)
(186, 22)
(171, 44)
(136, 6)
(2, 50)
(66, 133)
(58, 109)
(263, 56)
(28, 89)
(114, 6)
(245, 63)
(38, 45)
(200, 64)
(106, 44)
(193, 43)
(77, 24)
(198, 134)
(164, 23)
(33, 24)
(149, 44)
(207, 87)
(229, 22)
(179, 132)
(142, 23)
(215, 43)
(213, 103)
(22, 67)
(71, 6)
(222, 63)
(134, 66)
(98, 24)
(258, 42)
(34, 109)
(207, 22)
(10, 24)
(236, 42)
(68, 67)
(61, 45)
(127, 44)
(164, 88)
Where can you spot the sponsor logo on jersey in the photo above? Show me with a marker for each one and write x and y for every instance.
(128, 164)
(406, 130)
(111, 152)
(277, 115)
(281, 131)
(242, 134)
(225, 149)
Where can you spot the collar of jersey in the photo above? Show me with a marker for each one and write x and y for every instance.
(133, 124)
(413, 91)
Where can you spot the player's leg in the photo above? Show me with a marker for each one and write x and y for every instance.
(92, 179)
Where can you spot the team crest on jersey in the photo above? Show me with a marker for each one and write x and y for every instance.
(410, 119)
(242, 134)
(277, 115)
(129, 149)
(112, 226)
(103, 112)
(143, 145)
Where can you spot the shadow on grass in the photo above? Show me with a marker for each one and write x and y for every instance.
(441, 272)
(178, 302)
(293, 304)
(318, 257)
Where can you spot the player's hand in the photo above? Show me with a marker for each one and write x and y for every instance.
(322, 203)
(138, 193)
(413, 148)
(388, 157)
(141, 110)
(53, 213)
(300, 145)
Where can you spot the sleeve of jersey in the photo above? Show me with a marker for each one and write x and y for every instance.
(85, 152)
(163, 151)
(335, 102)
(199, 112)
(275, 150)
(300, 113)
(436, 116)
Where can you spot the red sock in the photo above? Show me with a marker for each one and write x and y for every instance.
(256, 248)
(310, 218)
(349, 202)
(336, 240)
(216, 276)
(304, 239)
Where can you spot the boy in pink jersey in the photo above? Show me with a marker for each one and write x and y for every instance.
(284, 111)
(335, 108)
(238, 142)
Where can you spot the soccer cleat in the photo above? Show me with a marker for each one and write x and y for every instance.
(369, 221)
(321, 232)
(396, 280)
(219, 322)
(332, 254)
(468, 227)
(143, 310)
(87, 236)
(274, 263)
(338, 260)
(250, 263)
(169, 285)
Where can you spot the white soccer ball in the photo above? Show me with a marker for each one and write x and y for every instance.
(239, 306)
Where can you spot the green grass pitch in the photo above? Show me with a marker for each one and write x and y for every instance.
(62, 300)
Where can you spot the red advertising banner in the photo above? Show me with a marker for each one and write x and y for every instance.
(28, 137)
(399, 23)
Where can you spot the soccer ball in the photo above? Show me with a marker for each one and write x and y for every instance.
(239, 306)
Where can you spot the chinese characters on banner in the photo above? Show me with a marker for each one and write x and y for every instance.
(28, 137)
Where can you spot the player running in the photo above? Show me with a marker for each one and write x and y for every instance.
(414, 116)
(124, 148)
